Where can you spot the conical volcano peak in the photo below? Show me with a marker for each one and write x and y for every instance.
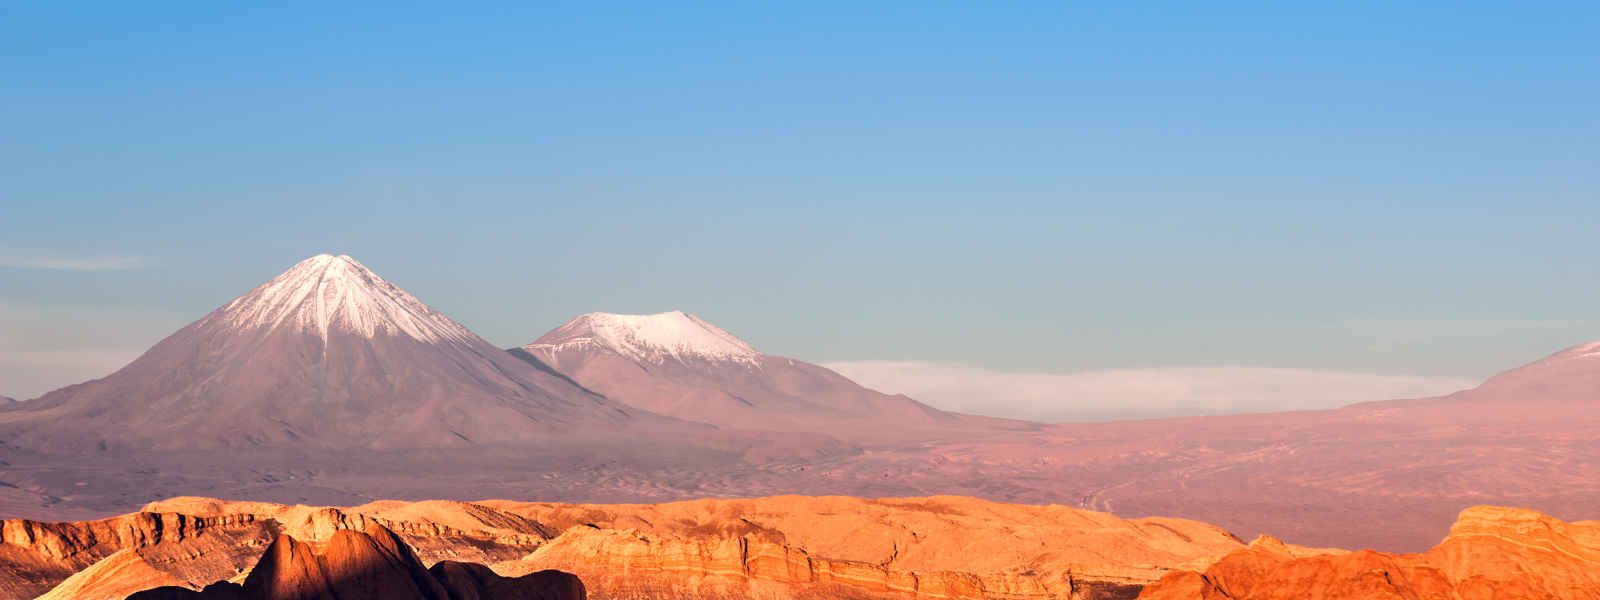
(650, 338)
(327, 293)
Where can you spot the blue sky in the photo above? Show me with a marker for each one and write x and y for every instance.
(1395, 189)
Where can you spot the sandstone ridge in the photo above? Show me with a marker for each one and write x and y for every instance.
(1491, 552)
(374, 564)
(797, 547)
(779, 547)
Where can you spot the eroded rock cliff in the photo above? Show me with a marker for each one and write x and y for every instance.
(1491, 553)
(780, 547)
(374, 564)
(797, 546)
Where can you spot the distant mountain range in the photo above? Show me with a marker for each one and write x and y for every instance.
(328, 384)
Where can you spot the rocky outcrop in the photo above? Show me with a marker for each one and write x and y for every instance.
(1513, 553)
(939, 547)
(800, 547)
(472, 581)
(36, 556)
(169, 544)
(66, 541)
(628, 564)
(374, 564)
(436, 529)
(116, 576)
(1491, 552)
(780, 547)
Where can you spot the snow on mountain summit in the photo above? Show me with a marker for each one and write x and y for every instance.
(1587, 350)
(649, 338)
(327, 292)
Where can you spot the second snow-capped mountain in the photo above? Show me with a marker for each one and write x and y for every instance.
(678, 364)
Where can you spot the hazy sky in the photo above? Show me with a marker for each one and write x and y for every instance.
(1389, 189)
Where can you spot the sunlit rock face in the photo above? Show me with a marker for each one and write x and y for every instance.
(374, 564)
(781, 547)
(801, 547)
(1491, 553)
(159, 548)
(785, 547)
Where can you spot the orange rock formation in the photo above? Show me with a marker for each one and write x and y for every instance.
(795, 546)
(788, 547)
(781, 547)
(370, 565)
(1491, 553)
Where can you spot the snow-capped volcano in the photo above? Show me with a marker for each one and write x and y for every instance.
(673, 335)
(326, 354)
(327, 293)
(680, 365)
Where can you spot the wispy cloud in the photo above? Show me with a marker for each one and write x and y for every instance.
(58, 262)
(1137, 393)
